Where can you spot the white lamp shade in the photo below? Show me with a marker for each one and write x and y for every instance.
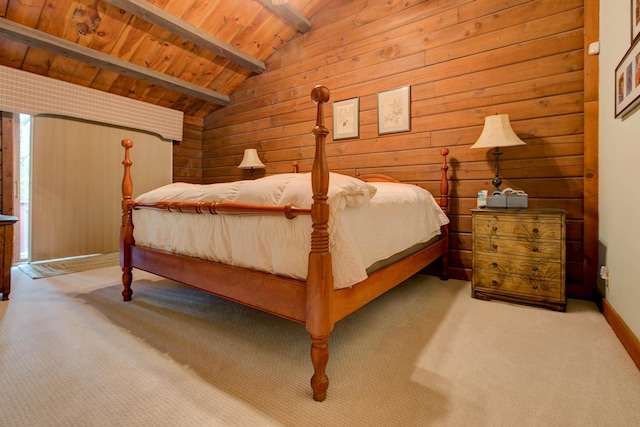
(497, 132)
(251, 160)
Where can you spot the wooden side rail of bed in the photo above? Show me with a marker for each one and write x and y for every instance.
(224, 208)
(314, 301)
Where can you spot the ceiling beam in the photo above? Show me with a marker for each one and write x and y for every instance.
(163, 19)
(288, 13)
(34, 38)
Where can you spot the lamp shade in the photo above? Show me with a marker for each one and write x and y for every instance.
(251, 160)
(497, 132)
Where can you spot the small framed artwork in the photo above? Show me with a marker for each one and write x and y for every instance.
(345, 118)
(394, 111)
(635, 19)
(628, 81)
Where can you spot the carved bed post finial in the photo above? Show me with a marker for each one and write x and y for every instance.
(320, 170)
(126, 230)
(319, 289)
(127, 184)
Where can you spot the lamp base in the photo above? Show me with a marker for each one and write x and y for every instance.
(497, 182)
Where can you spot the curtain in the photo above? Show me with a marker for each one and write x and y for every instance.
(76, 177)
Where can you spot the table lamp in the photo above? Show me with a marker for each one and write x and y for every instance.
(251, 161)
(497, 133)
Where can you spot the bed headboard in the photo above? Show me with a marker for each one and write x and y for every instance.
(375, 177)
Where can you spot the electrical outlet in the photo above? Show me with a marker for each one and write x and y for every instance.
(604, 272)
(604, 275)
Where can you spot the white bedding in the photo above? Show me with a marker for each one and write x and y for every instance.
(368, 222)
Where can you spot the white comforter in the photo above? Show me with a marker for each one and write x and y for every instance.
(368, 222)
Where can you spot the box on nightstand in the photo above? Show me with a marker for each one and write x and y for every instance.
(497, 201)
(506, 201)
(517, 201)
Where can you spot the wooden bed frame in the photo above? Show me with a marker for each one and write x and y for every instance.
(313, 302)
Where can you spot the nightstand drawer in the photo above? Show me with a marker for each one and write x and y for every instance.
(527, 227)
(504, 283)
(541, 269)
(524, 247)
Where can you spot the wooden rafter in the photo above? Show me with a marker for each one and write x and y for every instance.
(289, 14)
(157, 16)
(38, 39)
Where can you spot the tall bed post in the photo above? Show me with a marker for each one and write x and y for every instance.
(444, 205)
(319, 284)
(126, 230)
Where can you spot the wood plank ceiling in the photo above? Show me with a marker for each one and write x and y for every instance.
(189, 55)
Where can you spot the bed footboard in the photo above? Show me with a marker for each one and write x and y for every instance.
(318, 289)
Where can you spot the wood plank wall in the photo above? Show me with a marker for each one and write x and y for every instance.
(187, 154)
(463, 60)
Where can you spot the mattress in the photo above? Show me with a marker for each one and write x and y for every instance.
(368, 222)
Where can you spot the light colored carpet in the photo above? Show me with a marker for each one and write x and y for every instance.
(425, 354)
(39, 270)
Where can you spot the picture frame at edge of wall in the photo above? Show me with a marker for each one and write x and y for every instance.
(627, 81)
(635, 19)
(394, 110)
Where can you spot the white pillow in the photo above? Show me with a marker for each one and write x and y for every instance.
(343, 191)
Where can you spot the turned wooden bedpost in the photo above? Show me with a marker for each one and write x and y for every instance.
(319, 288)
(444, 204)
(126, 230)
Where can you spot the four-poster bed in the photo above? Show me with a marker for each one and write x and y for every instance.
(314, 299)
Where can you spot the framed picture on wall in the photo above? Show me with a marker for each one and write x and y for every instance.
(627, 81)
(394, 110)
(635, 19)
(345, 118)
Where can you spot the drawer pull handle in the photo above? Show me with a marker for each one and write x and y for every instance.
(494, 264)
(494, 246)
(535, 230)
(535, 268)
(495, 228)
(535, 286)
(494, 282)
(536, 250)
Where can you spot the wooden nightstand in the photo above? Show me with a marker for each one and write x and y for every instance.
(519, 256)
